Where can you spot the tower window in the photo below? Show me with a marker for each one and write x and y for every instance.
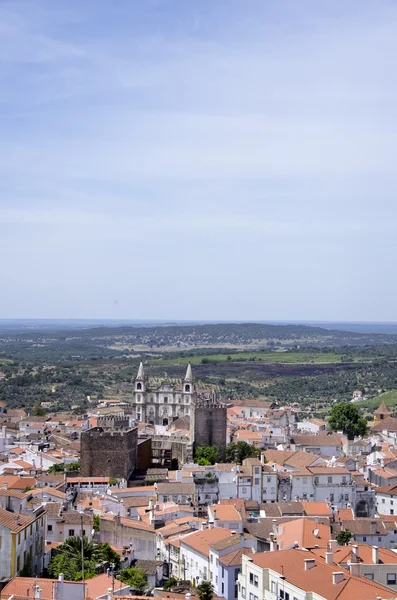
(187, 388)
(165, 400)
(138, 386)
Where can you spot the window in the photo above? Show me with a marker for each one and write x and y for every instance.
(49, 527)
(251, 578)
(217, 562)
(316, 480)
(223, 572)
(243, 592)
(216, 580)
(383, 500)
(347, 497)
(18, 563)
(364, 538)
(236, 591)
(344, 479)
(256, 480)
(329, 479)
(273, 587)
(71, 532)
(138, 386)
(244, 490)
(165, 400)
(392, 511)
(19, 538)
(251, 596)
(391, 502)
(223, 588)
(256, 580)
(0, 540)
(304, 480)
(331, 497)
(391, 579)
(369, 575)
(212, 559)
(379, 539)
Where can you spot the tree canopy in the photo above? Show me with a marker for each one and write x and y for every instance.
(346, 417)
(67, 559)
(206, 455)
(344, 537)
(238, 452)
(205, 590)
(135, 578)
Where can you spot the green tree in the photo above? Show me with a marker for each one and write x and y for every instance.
(170, 583)
(205, 590)
(97, 523)
(206, 455)
(67, 559)
(135, 578)
(346, 417)
(38, 410)
(238, 452)
(344, 537)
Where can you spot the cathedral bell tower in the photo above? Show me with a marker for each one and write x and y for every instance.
(140, 380)
(188, 383)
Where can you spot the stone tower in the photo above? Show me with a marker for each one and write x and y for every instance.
(109, 450)
(382, 412)
(208, 423)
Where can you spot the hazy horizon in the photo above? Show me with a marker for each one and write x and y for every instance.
(216, 158)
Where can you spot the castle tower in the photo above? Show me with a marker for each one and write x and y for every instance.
(188, 383)
(208, 423)
(382, 412)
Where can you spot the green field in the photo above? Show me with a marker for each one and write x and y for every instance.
(269, 357)
(390, 399)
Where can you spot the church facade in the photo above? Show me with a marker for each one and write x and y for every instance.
(164, 404)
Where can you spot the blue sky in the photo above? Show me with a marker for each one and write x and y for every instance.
(198, 160)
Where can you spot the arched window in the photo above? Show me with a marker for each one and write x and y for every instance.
(187, 388)
(138, 386)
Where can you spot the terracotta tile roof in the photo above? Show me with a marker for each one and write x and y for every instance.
(345, 514)
(135, 501)
(388, 424)
(99, 585)
(87, 479)
(14, 494)
(23, 587)
(345, 553)
(305, 532)
(15, 522)
(383, 409)
(319, 579)
(317, 440)
(317, 508)
(363, 526)
(16, 482)
(175, 488)
(390, 489)
(225, 512)
(53, 509)
(50, 491)
(234, 558)
(125, 522)
(200, 541)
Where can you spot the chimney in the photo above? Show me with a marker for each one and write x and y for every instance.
(309, 563)
(211, 525)
(109, 594)
(233, 532)
(241, 536)
(274, 521)
(5, 485)
(203, 525)
(373, 527)
(262, 458)
(329, 558)
(37, 592)
(375, 555)
(337, 576)
(355, 555)
(61, 577)
(355, 569)
(332, 544)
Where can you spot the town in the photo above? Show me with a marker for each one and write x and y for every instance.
(173, 493)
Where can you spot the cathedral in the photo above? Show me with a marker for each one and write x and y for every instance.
(164, 404)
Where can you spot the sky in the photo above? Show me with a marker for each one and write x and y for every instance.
(166, 159)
